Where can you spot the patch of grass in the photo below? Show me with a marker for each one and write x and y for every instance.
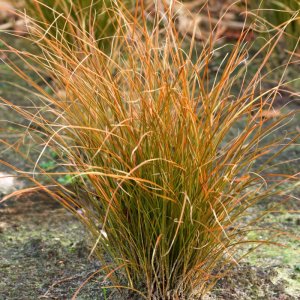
(151, 135)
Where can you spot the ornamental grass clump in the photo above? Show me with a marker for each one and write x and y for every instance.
(150, 133)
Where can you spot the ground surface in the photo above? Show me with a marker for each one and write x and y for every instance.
(43, 255)
(44, 250)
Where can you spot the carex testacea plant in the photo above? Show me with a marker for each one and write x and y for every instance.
(163, 137)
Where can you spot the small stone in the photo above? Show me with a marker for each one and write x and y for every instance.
(7, 184)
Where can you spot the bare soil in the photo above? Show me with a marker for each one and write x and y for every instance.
(44, 250)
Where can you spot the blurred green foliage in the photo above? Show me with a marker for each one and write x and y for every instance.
(278, 13)
(94, 17)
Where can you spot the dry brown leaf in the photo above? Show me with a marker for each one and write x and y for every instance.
(197, 18)
(270, 114)
(6, 10)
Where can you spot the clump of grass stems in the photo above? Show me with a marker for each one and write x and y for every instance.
(145, 129)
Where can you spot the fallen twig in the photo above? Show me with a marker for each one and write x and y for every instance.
(57, 283)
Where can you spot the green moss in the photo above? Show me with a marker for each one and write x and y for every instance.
(285, 258)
